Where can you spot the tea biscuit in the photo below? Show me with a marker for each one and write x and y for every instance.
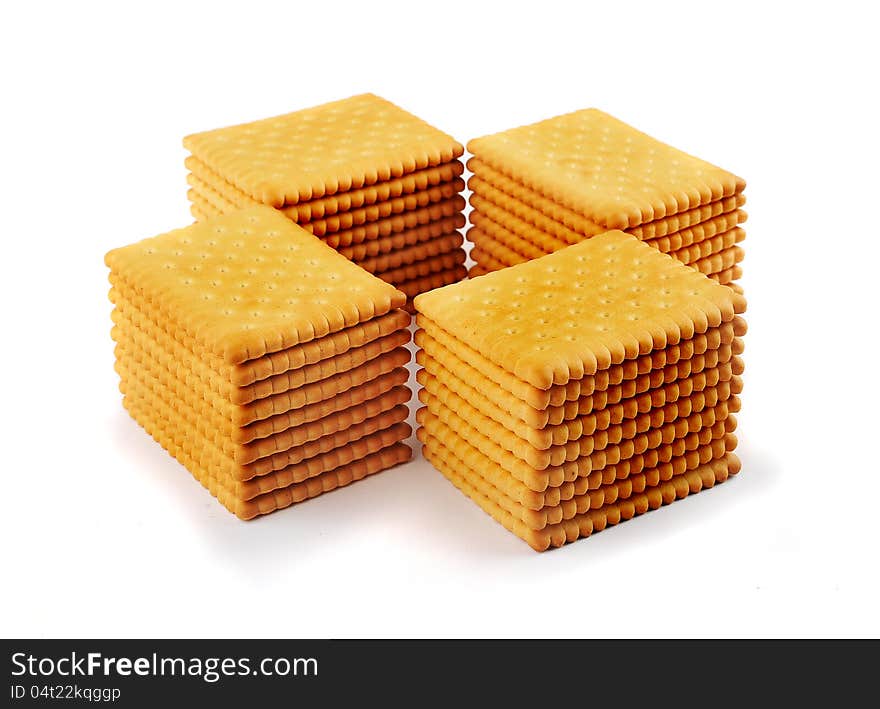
(642, 391)
(425, 267)
(629, 415)
(313, 467)
(717, 235)
(201, 194)
(530, 231)
(383, 210)
(727, 276)
(492, 252)
(263, 437)
(583, 525)
(130, 305)
(485, 177)
(604, 169)
(292, 456)
(720, 360)
(712, 339)
(556, 485)
(535, 241)
(623, 297)
(396, 224)
(720, 261)
(412, 254)
(477, 270)
(184, 371)
(230, 283)
(341, 202)
(491, 482)
(147, 337)
(500, 246)
(200, 208)
(540, 459)
(708, 247)
(176, 444)
(319, 151)
(345, 411)
(387, 244)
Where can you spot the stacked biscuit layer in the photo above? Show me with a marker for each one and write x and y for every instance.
(376, 183)
(581, 388)
(266, 363)
(539, 188)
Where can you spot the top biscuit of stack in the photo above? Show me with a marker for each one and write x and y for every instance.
(328, 149)
(236, 287)
(604, 169)
(538, 322)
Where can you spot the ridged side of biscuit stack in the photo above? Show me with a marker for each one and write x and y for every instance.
(270, 366)
(371, 180)
(582, 388)
(542, 187)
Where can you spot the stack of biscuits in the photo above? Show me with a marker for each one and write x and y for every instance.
(582, 388)
(270, 366)
(376, 183)
(539, 188)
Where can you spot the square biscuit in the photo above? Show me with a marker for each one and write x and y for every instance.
(446, 402)
(268, 436)
(132, 306)
(331, 148)
(251, 283)
(604, 169)
(332, 204)
(205, 470)
(582, 525)
(410, 237)
(625, 480)
(577, 311)
(518, 199)
(645, 390)
(550, 487)
(714, 339)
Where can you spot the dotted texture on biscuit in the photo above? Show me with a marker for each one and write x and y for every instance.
(250, 283)
(604, 169)
(569, 314)
(323, 150)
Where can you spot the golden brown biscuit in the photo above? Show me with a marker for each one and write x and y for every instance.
(130, 305)
(413, 254)
(578, 477)
(340, 202)
(604, 169)
(501, 489)
(396, 224)
(713, 339)
(489, 183)
(644, 392)
(387, 244)
(331, 148)
(244, 285)
(176, 443)
(583, 525)
(574, 312)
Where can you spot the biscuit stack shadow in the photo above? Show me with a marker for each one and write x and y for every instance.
(582, 388)
(539, 188)
(376, 183)
(266, 363)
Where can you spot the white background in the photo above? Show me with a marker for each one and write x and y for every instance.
(103, 534)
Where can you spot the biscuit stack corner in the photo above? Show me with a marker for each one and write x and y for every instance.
(580, 389)
(266, 363)
(542, 187)
(376, 183)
